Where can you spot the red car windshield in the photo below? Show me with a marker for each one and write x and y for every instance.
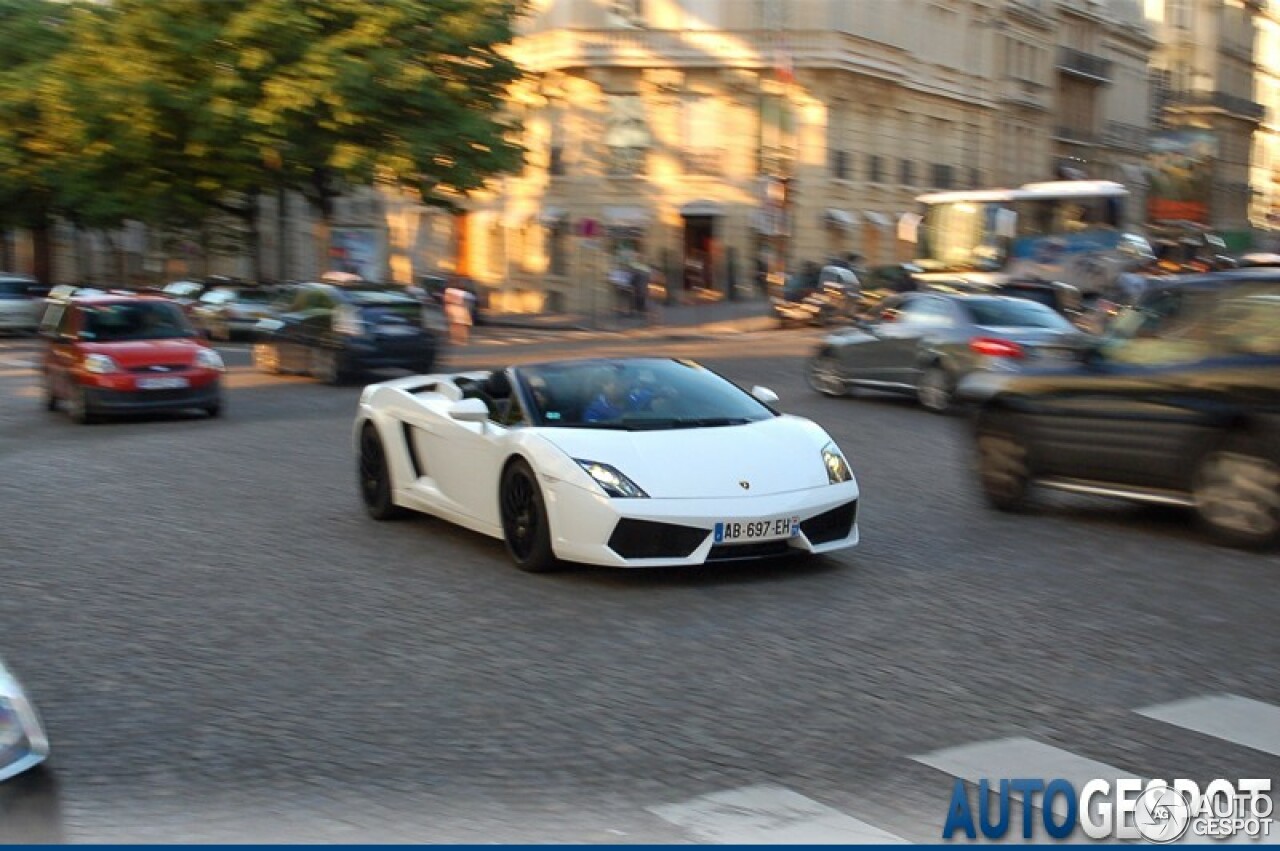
(134, 320)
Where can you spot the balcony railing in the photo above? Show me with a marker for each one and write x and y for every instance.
(1074, 135)
(707, 162)
(1233, 104)
(1117, 134)
(1085, 65)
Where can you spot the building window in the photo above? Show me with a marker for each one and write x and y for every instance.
(557, 240)
(627, 136)
(875, 168)
(840, 165)
(557, 161)
(701, 130)
(907, 172)
(1178, 13)
(942, 176)
(628, 12)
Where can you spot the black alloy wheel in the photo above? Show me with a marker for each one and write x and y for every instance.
(936, 390)
(823, 374)
(524, 519)
(375, 477)
(78, 405)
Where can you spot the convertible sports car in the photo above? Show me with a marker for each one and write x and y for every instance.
(638, 462)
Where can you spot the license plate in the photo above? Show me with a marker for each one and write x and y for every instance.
(395, 330)
(170, 383)
(732, 531)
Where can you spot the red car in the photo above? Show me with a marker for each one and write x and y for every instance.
(120, 353)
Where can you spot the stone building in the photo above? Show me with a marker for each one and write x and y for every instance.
(1264, 212)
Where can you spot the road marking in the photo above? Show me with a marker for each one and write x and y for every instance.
(1234, 719)
(1020, 757)
(21, 364)
(768, 815)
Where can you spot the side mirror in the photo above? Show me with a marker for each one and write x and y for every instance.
(469, 411)
(764, 394)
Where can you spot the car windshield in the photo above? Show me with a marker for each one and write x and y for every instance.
(14, 289)
(1014, 313)
(134, 320)
(636, 394)
(370, 298)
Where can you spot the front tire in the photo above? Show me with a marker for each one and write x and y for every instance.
(937, 390)
(1002, 466)
(823, 374)
(266, 358)
(1237, 495)
(325, 367)
(375, 477)
(524, 519)
(78, 405)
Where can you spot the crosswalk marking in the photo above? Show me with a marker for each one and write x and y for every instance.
(768, 815)
(1234, 719)
(1020, 757)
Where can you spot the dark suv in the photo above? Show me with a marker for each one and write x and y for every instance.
(1178, 405)
(336, 332)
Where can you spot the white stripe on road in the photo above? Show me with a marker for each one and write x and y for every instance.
(768, 815)
(1229, 717)
(1020, 757)
(21, 364)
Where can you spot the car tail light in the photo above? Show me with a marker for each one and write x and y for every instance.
(994, 347)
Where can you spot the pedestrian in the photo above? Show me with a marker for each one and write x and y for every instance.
(640, 289)
(457, 312)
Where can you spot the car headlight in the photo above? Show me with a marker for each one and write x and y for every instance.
(22, 740)
(837, 468)
(100, 364)
(613, 482)
(209, 359)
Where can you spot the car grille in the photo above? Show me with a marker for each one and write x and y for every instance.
(760, 549)
(633, 538)
(160, 368)
(833, 525)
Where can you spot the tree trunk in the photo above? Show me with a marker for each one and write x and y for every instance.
(42, 245)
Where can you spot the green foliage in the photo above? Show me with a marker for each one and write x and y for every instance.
(170, 111)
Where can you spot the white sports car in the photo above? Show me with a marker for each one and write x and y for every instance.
(635, 462)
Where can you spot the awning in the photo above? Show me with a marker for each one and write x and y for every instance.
(626, 217)
(840, 218)
(880, 220)
(552, 216)
(701, 208)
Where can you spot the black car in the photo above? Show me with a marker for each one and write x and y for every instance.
(337, 332)
(1178, 405)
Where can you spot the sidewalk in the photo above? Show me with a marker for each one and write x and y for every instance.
(692, 320)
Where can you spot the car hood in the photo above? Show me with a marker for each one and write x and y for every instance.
(136, 353)
(776, 455)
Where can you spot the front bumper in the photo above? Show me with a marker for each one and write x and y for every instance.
(104, 400)
(594, 529)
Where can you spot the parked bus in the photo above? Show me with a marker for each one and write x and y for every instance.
(1069, 231)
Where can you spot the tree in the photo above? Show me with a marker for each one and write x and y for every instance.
(34, 34)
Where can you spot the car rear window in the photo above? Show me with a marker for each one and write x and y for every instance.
(1013, 313)
(134, 320)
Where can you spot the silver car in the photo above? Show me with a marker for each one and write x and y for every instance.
(923, 343)
(20, 306)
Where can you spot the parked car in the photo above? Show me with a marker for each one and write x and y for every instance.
(1178, 405)
(923, 343)
(118, 352)
(21, 304)
(337, 332)
(627, 462)
(225, 313)
(185, 293)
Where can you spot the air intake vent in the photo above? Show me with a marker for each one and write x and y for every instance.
(646, 539)
(833, 525)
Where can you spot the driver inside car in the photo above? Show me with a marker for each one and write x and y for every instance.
(616, 399)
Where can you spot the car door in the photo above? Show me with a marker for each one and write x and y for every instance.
(897, 350)
(1146, 406)
(464, 461)
(860, 349)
